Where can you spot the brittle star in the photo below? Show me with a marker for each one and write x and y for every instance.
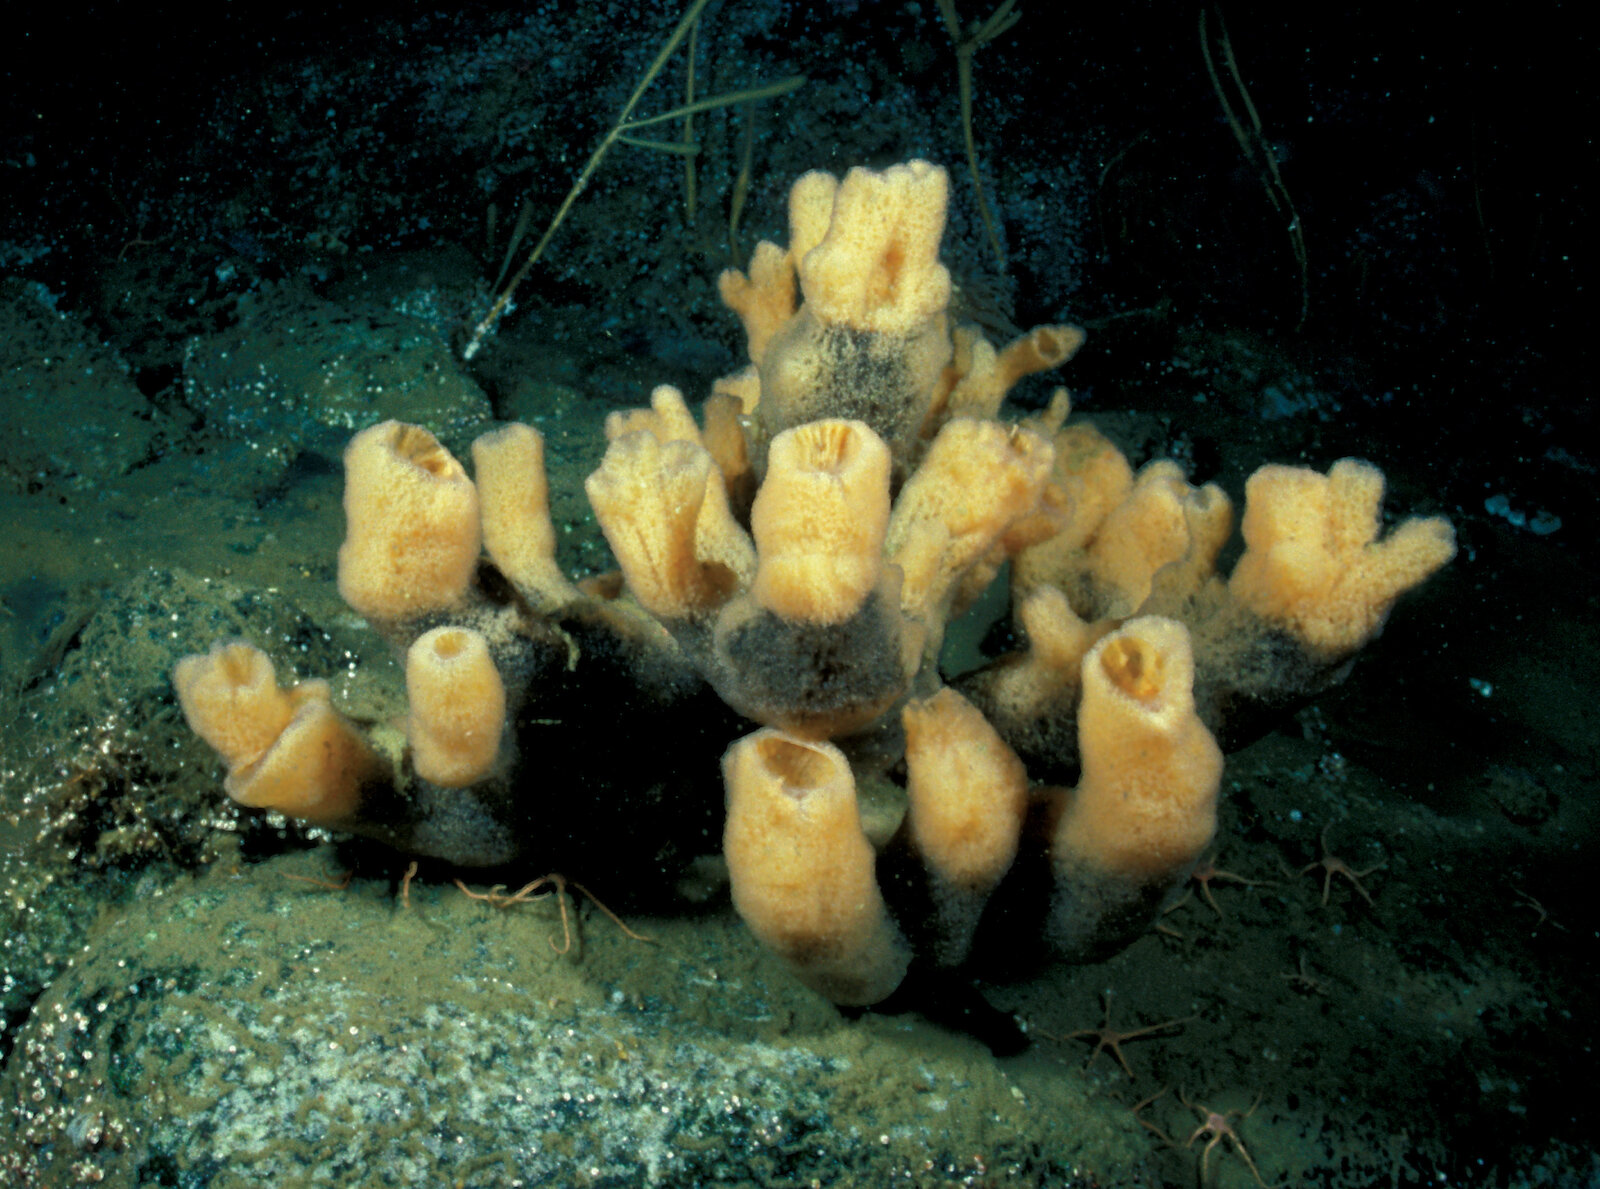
(1207, 870)
(1220, 1126)
(1303, 981)
(1332, 865)
(1218, 1123)
(1107, 1039)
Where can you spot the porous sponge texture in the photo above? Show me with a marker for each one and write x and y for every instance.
(977, 478)
(1313, 562)
(285, 749)
(457, 706)
(877, 268)
(1154, 526)
(801, 871)
(987, 375)
(650, 498)
(819, 521)
(764, 298)
(1145, 806)
(815, 680)
(810, 211)
(1043, 681)
(411, 524)
(230, 697)
(968, 792)
(514, 498)
(870, 341)
(317, 768)
(1092, 477)
(813, 370)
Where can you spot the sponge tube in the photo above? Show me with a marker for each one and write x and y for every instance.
(458, 706)
(1146, 806)
(802, 871)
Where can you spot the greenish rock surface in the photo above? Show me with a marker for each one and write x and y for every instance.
(295, 362)
(254, 1026)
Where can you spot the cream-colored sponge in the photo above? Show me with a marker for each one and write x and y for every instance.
(801, 871)
(457, 706)
(231, 698)
(977, 478)
(1046, 677)
(810, 210)
(288, 750)
(668, 418)
(764, 299)
(411, 524)
(877, 268)
(1163, 520)
(664, 511)
(987, 374)
(1146, 804)
(1313, 562)
(515, 497)
(968, 792)
(819, 521)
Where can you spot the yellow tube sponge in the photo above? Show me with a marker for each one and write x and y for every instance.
(650, 499)
(877, 268)
(990, 374)
(514, 495)
(457, 706)
(287, 750)
(810, 210)
(968, 792)
(742, 387)
(1041, 349)
(764, 298)
(724, 439)
(819, 521)
(1146, 804)
(411, 524)
(1161, 521)
(968, 796)
(976, 479)
(317, 768)
(668, 418)
(1313, 563)
(1045, 677)
(1092, 477)
(231, 698)
(801, 871)
(870, 341)
(1095, 476)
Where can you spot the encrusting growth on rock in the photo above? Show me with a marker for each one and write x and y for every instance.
(793, 560)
